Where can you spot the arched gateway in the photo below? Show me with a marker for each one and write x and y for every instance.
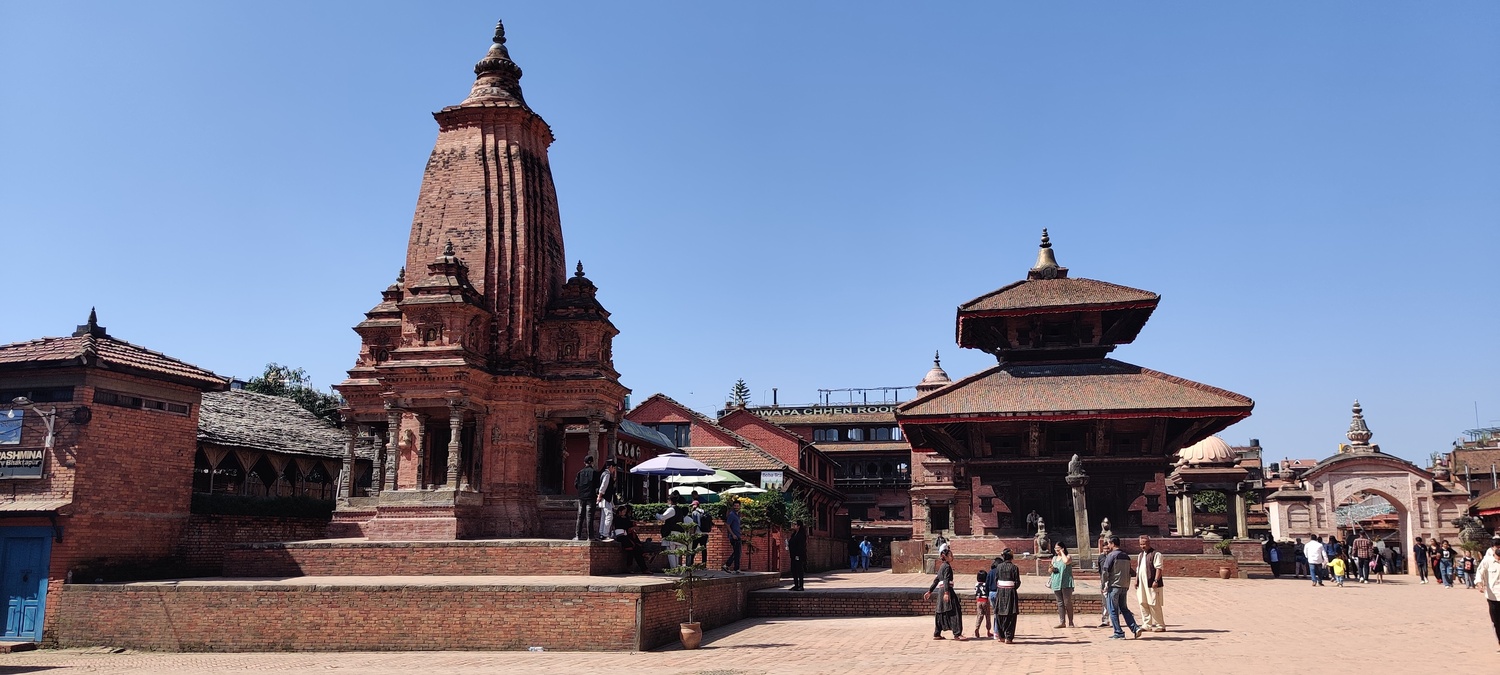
(1424, 505)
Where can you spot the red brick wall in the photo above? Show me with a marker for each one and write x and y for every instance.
(206, 536)
(388, 617)
(425, 558)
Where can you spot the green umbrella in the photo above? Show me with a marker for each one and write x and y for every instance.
(718, 477)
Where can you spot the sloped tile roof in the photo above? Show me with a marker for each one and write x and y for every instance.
(1066, 292)
(1489, 501)
(1094, 387)
(106, 352)
(244, 419)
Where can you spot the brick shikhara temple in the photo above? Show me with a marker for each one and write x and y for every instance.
(484, 351)
(999, 441)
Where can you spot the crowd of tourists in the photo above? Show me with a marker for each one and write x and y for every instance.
(1359, 559)
(997, 592)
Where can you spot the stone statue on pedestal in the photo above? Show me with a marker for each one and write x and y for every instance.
(1040, 542)
(1104, 530)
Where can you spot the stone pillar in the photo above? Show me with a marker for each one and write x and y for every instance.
(1241, 514)
(1188, 528)
(1085, 543)
(455, 440)
(346, 490)
(377, 470)
(612, 441)
(393, 446)
(593, 450)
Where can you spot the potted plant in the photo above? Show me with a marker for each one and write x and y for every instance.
(1222, 546)
(686, 583)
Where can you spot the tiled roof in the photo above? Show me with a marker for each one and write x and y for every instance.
(110, 353)
(833, 418)
(1486, 502)
(1093, 387)
(645, 433)
(856, 446)
(1477, 460)
(243, 419)
(1067, 292)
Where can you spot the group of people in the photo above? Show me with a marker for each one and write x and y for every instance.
(597, 490)
(1364, 560)
(997, 592)
(860, 552)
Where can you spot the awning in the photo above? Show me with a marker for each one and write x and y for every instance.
(33, 505)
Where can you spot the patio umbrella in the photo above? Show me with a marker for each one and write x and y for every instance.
(672, 464)
(688, 490)
(719, 477)
(744, 489)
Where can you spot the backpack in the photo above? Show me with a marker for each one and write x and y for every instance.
(705, 523)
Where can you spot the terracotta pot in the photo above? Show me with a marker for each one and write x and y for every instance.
(1224, 572)
(692, 634)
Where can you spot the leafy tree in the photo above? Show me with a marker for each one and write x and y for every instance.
(739, 394)
(293, 383)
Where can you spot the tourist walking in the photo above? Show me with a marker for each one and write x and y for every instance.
(982, 604)
(1466, 568)
(1148, 587)
(1300, 556)
(1316, 559)
(796, 546)
(1434, 560)
(585, 483)
(948, 615)
(703, 524)
(732, 526)
(1446, 558)
(1061, 583)
(1385, 561)
(1115, 575)
(1007, 602)
(1099, 555)
(1419, 558)
(853, 551)
(1338, 566)
(1364, 554)
(1487, 580)
(866, 549)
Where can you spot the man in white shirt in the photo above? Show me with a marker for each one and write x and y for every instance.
(1148, 587)
(1316, 559)
(1487, 580)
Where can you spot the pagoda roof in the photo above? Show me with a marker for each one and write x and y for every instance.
(1034, 294)
(246, 419)
(98, 349)
(1086, 389)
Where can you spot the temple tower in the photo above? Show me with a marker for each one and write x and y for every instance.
(483, 351)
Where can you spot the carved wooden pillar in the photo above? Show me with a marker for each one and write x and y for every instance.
(346, 490)
(455, 440)
(419, 454)
(472, 472)
(393, 445)
(1033, 439)
(377, 470)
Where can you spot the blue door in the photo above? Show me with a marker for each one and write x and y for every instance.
(24, 554)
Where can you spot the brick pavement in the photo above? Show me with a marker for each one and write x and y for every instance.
(1234, 626)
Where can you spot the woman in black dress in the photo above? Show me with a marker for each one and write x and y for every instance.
(949, 615)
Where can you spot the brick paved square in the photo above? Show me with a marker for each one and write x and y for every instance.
(1233, 626)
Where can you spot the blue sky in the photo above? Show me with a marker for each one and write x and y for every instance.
(797, 194)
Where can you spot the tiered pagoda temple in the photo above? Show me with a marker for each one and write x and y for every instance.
(483, 352)
(1001, 438)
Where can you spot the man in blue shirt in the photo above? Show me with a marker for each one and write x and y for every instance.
(1114, 573)
(732, 523)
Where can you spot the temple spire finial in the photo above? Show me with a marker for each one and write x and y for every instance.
(497, 79)
(91, 327)
(579, 273)
(401, 276)
(1046, 262)
(937, 359)
(1359, 432)
(448, 248)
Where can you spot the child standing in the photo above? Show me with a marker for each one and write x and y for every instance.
(1338, 570)
(982, 606)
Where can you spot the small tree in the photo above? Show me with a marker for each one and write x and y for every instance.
(739, 394)
(687, 574)
(293, 383)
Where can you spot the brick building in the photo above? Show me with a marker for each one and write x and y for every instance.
(482, 354)
(97, 437)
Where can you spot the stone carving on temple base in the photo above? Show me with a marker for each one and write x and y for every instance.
(1104, 530)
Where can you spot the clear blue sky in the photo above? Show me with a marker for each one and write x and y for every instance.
(797, 195)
